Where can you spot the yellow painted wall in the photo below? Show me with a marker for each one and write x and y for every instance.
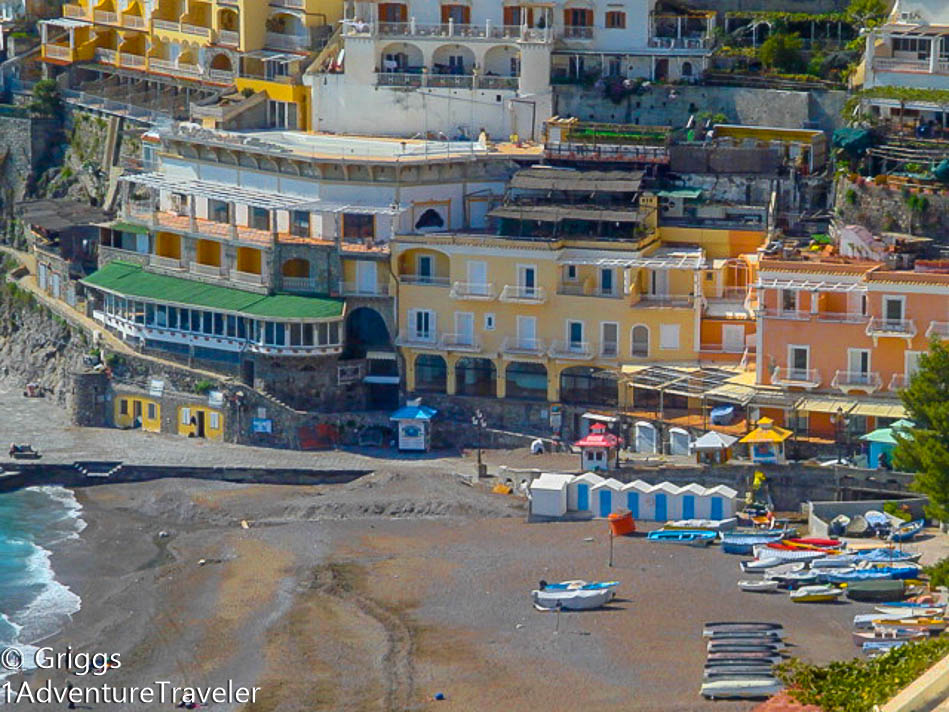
(248, 260)
(718, 244)
(279, 91)
(127, 408)
(168, 245)
(209, 253)
(185, 427)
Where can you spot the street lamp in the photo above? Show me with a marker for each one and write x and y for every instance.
(479, 422)
(840, 422)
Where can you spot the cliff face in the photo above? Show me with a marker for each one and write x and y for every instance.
(36, 346)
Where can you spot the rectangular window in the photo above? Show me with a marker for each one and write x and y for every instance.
(296, 335)
(281, 334)
(269, 333)
(195, 321)
(606, 281)
(231, 326)
(218, 211)
(300, 223)
(609, 339)
(489, 322)
(570, 273)
(669, 336)
(893, 310)
(322, 334)
(172, 317)
(424, 325)
(150, 315)
(214, 420)
(308, 334)
(207, 323)
(616, 20)
(575, 334)
(186, 416)
(152, 411)
(219, 325)
(358, 227)
(578, 17)
(799, 362)
(334, 333)
(123, 407)
(260, 218)
(788, 300)
(425, 268)
(161, 316)
(241, 328)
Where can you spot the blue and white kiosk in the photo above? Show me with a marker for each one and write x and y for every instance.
(414, 427)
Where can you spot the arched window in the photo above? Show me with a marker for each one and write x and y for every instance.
(431, 373)
(640, 340)
(687, 69)
(429, 220)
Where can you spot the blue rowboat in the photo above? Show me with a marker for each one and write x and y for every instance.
(578, 585)
(745, 543)
(693, 537)
(888, 572)
(886, 555)
(907, 531)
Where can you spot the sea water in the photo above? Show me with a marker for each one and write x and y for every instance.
(33, 604)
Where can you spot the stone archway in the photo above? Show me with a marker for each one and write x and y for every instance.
(366, 330)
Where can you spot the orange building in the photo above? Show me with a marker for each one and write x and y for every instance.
(846, 336)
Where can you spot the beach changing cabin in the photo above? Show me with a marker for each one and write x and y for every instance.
(548, 494)
(414, 427)
(579, 496)
(766, 442)
(607, 497)
(882, 441)
(722, 503)
(645, 437)
(713, 448)
(680, 441)
(599, 450)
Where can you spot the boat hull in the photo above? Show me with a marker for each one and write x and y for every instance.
(744, 689)
(571, 600)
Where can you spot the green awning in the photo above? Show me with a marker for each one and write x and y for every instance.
(880, 435)
(123, 226)
(130, 280)
(687, 193)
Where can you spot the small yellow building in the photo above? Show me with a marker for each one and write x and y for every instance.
(137, 411)
(198, 421)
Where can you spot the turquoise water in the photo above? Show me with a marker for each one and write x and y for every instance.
(33, 523)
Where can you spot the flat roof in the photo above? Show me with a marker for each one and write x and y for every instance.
(55, 214)
(547, 178)
(131, 280)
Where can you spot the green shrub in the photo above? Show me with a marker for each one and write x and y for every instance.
(859, 685)
(202, 387)
(851, 196)
(896, 509)
(938, 573)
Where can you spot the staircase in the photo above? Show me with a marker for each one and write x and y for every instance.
(97, 469)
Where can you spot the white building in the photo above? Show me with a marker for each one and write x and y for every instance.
(912, 48)
(456, 67)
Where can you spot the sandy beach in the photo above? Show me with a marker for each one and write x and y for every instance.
(378, 594)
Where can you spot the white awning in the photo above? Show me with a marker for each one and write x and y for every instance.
(225, 192)
(665, 258)
(65, 23)
(808, 285)
(600, 418)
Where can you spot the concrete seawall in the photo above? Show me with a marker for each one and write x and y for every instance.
(17, 475)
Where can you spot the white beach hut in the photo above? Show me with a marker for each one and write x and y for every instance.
(632, 496)
(607, 497)
(679, 441)
(722, 502)
(693, 502)
(578, 492)
(548, 494)
(645, 437)
(667, 502)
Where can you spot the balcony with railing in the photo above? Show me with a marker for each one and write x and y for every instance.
(75, 12)
(132, 61)
(422, 280)
(842, 317)
(680, 43)
(199, 226)
(517, 346)
(523, 295)
(354, 289)
(578, 32)
(228, 38)
(666, 301)
(292, 43)
(165, 262)
(105, 17)
(62, 52)
(866, 381)
(571, 289)
(298, 284)
(196, 30)
(609, 350)
(135, 22)
(204, 270)
(221, 76)
(913, 66)
(938, 329)
(453, 81)
(786, 314)
(450, 81)
(572, 350)
(799, 377)
(899, 381)
(106, 55)
(473, 291)
(441, 31)
(468, 343)
(899, 328)
(246, 277)
(418, 339)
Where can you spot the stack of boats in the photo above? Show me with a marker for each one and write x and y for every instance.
(740, 659)
(874, 523)
(692, 532)
(895, 624)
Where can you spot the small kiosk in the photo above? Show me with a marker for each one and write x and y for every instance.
(414, 427)
(766, 442)
(713, 448)
(599, 450)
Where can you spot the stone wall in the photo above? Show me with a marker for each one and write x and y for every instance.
(884, 209)
(28, 146)
(672, 105)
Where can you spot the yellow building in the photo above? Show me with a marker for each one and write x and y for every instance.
(198, 421)
(553, 306)
(136, 411)
(192, 44)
